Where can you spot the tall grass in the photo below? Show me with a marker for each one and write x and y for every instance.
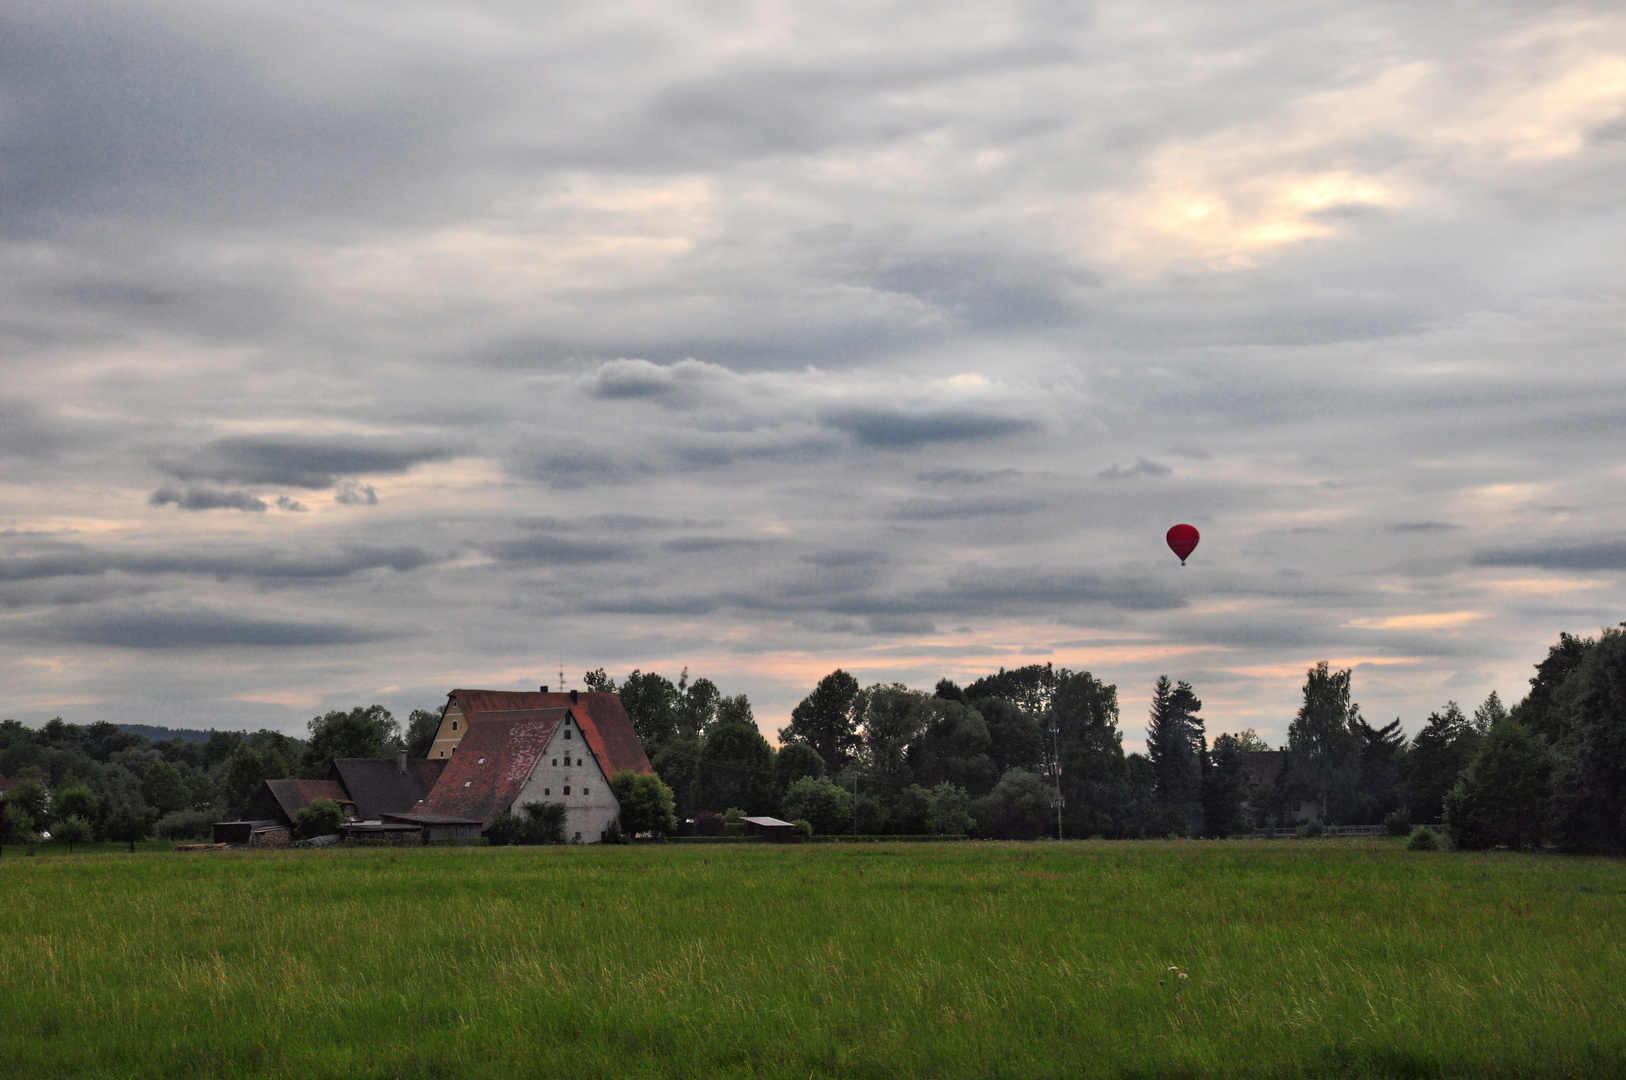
(1301, 958)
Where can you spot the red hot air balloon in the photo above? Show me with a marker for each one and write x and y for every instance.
(1183, 541)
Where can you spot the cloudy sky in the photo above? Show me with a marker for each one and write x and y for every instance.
(356, 351)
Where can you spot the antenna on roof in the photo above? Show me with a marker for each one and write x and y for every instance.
(561, 673)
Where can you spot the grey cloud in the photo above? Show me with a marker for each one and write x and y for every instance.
(553, 550)
(950, 509)
(1141, 467)
(303, 462)
(893, 429)
(1605, 555)
(846, 557)
(1422, 527)
(25, 433)
(351, 493)
(966, 476)
(195, 630)
(195, 498)
(82, 561)
(681, 383)
(687, 545)
(293, 506)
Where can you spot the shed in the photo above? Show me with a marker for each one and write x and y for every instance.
(239, 832)
(391, 833)
(771, 828)
(438, 828)
(282, 800)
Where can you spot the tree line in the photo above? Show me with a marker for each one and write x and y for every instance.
(98, 782)
(1018, 754)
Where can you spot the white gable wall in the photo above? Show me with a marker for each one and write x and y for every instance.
(590, 802)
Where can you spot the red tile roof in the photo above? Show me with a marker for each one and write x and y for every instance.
(1264, 766)
(493, 762)
(604, 722)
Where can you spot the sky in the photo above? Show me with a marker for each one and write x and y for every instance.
(354, 352)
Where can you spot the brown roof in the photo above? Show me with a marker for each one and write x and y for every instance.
(7, 785)
(492, 763)
(1264, 766)
(604, 722)
(378, 785)
(294, 795)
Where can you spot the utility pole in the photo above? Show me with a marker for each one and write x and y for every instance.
(1055, 764)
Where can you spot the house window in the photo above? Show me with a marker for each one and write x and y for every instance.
(547, 791)
(567, 733)
(567, 789)
(578, 761)
(584, 791)
(454, 725)
(443, 753)
(555, 763)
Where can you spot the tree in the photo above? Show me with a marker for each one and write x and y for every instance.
(1176, 747)
(820, 803)
(201, 792)
(1095, 778)
(697, 705)
(795, 760)
(736, 766)
(16, 824)
(163, 788)
(71, 831)
(1535, 711)
(597, 682)
(321, 818)
(1225, 788)
(646, 803)
(1323, 756)
(651, 704)
(127, 825)
(1587, 722)
(948, 811)
(369, 732)
(1437, 758)
(954, 747)
(1505, 796)
(825, 720)
(890, 718)
(1030, 688)
(80, 802)
(1489, 713)
(1018, 808)
(32, 799)
(1016, 738)
(422, 726)
(678, 763)
(1381, 789)
(243, 772)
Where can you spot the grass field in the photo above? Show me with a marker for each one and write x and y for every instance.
(1300, 958)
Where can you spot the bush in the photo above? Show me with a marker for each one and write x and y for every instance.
(538, 823)
(1397, 823)
(647, 805)
(1313, 829)
(817, 801)
(320, 818)
(1423, 840)
(804, 831)
(707, 823)
(183, 825)
(1018, 808)
(614, 835)
(71, 831)
(950, 811)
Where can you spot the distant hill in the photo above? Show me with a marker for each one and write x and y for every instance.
(158, 734)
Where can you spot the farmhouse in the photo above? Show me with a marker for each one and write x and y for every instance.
(508, 758)
(494, 752)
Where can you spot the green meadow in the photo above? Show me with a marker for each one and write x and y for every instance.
(1090, 959)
